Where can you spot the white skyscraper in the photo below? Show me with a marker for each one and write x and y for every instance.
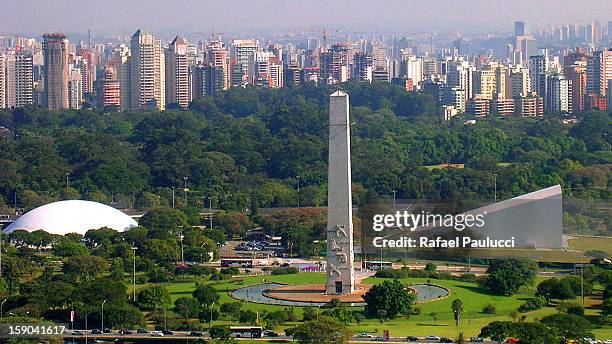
(177, 73)
(557, 94)
(18, 79)
(147, 72)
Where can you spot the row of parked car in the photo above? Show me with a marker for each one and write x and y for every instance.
(430, 338)
(252, 246)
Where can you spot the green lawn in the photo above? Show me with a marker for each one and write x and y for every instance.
(474, 300)
(587, 243)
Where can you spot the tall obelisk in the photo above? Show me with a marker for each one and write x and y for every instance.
(340, 255)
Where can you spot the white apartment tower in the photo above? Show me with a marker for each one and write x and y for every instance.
(177, 73)
(147, 72)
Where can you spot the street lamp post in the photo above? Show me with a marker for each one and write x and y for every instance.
(210, 211)
(495, 189)
(211, 316)
(134, 248)
(394, 193)
(185, 189)
(2, 307)
(173, 202)
(298, 191)
(181, 237)
(103, 302)
(67, 174)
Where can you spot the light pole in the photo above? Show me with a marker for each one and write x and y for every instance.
(2, 307)
(134, 248)
(173, 202)
(165, 317)
(67, 174)
(103, 302)
(185, 189)
(298, 191)
(211, 314)
(394, 193)
(495, 190)
(181, 237)
(210, 211)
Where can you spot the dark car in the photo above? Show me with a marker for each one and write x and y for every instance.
(446, 340)
(412, 339)
(142, 330)
(96, 331)
(268, 333)
(196, 334)
(124, 332)
(167, 332)
(107, 330)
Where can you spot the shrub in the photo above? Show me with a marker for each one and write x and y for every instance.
(489, 309)
(285, 271)
(431, 267)
(532, 304)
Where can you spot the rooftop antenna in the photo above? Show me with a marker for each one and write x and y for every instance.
(89, 39)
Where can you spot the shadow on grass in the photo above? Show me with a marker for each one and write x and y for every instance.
(434, 325)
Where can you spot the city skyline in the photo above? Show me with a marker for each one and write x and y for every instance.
(250, 16)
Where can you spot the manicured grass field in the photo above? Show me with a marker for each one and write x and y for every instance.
(587, 243)
(473, 297)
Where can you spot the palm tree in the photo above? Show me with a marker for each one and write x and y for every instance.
(457, 307)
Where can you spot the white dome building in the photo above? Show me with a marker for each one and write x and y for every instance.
(72, 216)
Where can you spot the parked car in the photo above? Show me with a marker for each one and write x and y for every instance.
(124, 332)
(196, 334)
(511, 341)
(96, 331)
(446, 340)
(157, 334)
(107, 330)
(364, 335)
(268, 333)
(412, 339)
(432, 337)
(167, 332)
(476, 339)
(142, 330)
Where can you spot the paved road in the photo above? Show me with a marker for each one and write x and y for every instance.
(180, 336)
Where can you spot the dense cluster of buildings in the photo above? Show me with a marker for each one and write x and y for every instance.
(564, 69)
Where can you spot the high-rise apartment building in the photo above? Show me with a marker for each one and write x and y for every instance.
(18, 79)
(147, 72)
(55, 49)
(121, 63)
(206, 81)
(484, 83)
(362, 63)
(558, 94)
(2, 82)
(75, 88)
(599, 71)
(576, 74)
(520, 83)
(334, 64)
(519, 28)
(538, 73)
(243, 61)
(411, 67)
(216, 55)
(177, 73)
(109, 94)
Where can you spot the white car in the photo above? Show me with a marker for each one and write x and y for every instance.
(432, 337)
(157, 334)
(365, 335)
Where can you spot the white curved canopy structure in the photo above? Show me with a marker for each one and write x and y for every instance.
(72, 216)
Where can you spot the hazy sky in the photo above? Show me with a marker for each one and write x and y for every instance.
(124, 16)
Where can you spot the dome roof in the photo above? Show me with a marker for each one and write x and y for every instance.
(72, 217)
